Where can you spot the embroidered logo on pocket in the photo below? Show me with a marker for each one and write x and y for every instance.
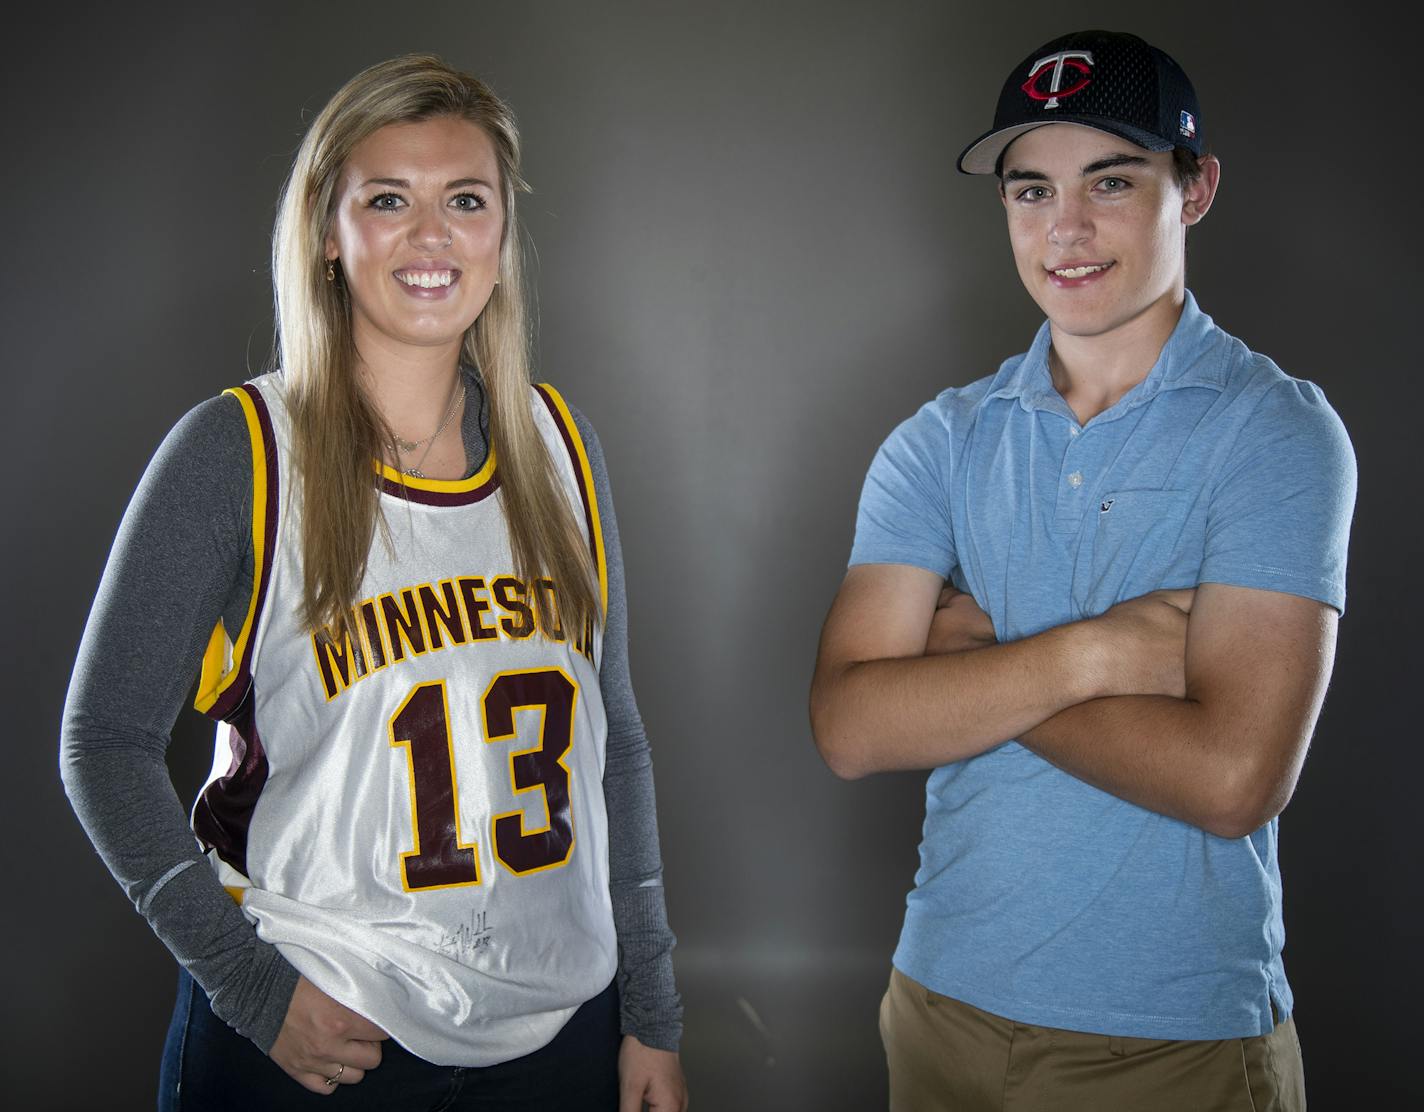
(1106, 506)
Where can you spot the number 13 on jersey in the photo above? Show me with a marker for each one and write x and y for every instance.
(422, 727)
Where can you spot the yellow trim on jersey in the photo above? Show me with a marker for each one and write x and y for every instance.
(238, 894)
(586, 474)
(221, 659)
(439, 486)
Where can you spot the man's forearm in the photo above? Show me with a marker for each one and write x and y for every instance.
(1157, 752)
(925, 711)
(890, 691)
(1225, 757)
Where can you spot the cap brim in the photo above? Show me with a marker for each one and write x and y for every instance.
(982, 155)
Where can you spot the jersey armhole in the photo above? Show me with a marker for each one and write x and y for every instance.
(564, 420)
(225, 675)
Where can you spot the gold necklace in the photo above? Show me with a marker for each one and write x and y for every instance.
(402, 445)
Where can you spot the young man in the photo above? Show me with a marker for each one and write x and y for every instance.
(1153, 520)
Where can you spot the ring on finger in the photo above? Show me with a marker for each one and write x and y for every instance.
(335, 1077)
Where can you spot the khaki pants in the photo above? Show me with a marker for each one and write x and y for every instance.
(946, 1055)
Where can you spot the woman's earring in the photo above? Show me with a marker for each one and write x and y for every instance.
(331, 270)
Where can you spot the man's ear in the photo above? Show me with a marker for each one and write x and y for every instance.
(1198, 196)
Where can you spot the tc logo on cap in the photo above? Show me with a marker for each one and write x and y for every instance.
(1080, 61)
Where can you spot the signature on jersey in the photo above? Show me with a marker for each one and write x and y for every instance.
(467, 939)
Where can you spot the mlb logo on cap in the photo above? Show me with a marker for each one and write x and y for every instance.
(1188, 124)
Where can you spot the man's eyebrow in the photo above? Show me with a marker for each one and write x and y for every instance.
(1091, 168)
(1114, 160)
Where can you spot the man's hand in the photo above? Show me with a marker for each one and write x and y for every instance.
(649, 1078)
(958, 624)
(1141, 644)
(1141, 647)
(321, 1039)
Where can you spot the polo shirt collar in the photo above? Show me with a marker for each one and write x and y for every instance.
(1194, 355)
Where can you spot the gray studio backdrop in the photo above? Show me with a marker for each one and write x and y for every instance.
(754, 257)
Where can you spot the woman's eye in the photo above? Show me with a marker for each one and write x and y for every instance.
(387, 201)
(469, 202)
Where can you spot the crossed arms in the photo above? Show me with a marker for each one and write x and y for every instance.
(1194, 704)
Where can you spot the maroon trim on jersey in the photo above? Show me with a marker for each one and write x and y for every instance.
(228, 702)
(223, 813)
(413, 493)
(584, 493)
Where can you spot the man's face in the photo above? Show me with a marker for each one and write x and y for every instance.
(1098, 226)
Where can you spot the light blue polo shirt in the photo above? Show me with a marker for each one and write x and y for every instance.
(1041, 898)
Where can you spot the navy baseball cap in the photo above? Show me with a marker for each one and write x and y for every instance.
(1104, 79)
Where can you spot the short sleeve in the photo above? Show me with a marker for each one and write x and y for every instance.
(904, 515)
(1279, 517)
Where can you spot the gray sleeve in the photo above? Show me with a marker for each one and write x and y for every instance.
(652, 1010)
(181, 558)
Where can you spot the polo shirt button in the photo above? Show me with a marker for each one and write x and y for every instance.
(1075, 480)
(1074, 432)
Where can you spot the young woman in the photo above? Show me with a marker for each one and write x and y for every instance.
(428, 867)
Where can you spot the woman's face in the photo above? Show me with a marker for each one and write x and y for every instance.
(417, 230)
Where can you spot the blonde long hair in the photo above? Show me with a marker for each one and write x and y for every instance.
(336, 430)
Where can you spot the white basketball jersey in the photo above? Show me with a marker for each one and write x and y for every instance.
(416, 819)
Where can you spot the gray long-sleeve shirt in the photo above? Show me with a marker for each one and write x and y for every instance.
(182, 558)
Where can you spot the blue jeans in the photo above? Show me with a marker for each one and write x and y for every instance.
(209, 1067)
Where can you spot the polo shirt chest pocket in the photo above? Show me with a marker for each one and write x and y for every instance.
(1137, 541)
